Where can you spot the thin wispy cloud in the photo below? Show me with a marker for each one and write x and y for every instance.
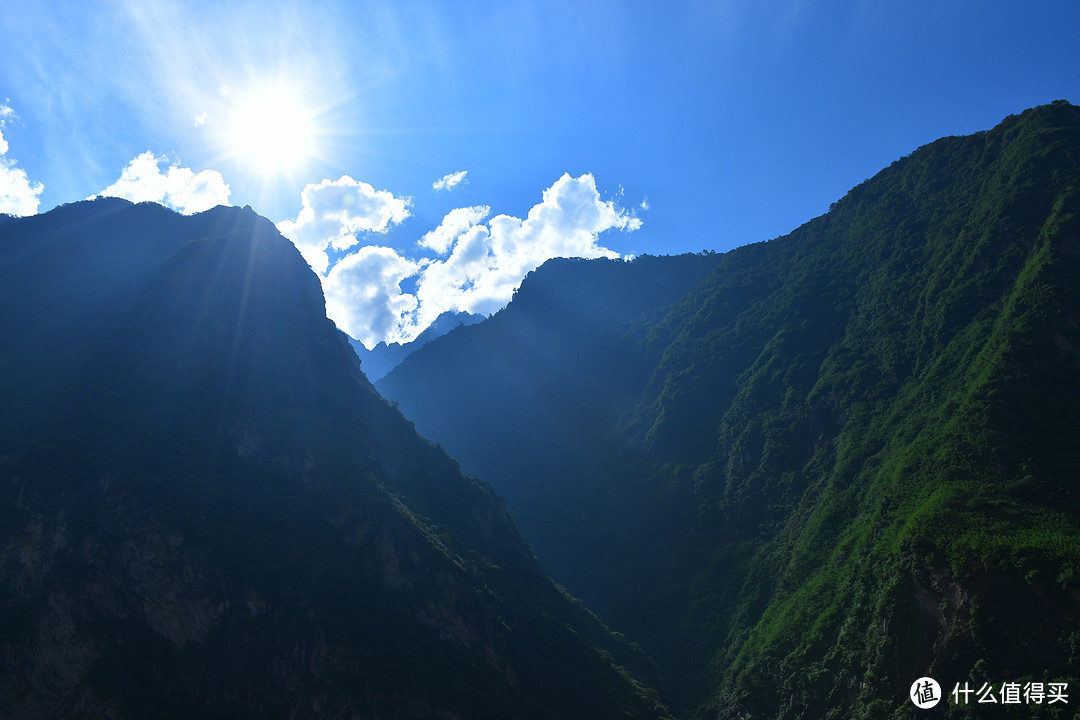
(18, 196)
(451, 181)
(177, 187)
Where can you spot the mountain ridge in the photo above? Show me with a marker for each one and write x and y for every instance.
(207, 510)
(384, 357)
(839, 463)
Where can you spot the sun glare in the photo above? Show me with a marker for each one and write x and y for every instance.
(272, 131)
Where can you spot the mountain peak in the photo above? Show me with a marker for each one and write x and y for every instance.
(847, 452)
(207, 511)
(384, 357)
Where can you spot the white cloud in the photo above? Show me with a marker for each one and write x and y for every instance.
(334, 211)
(5, 113)
(364, 297)
(18, 196)
(488, 262)
(455, 223)
(485, 262)
(178, 187)
(451, 181)
(201, 118)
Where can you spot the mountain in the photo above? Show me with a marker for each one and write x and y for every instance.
(842, 461)
(206, 510)
(384, 357)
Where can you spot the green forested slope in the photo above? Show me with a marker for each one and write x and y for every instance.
(901, 440)
(847, 458)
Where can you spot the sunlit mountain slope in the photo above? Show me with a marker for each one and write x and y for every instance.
(844, 460)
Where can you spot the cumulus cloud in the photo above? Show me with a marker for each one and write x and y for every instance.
(201, 118)
(489, 261)
(482, 265)
(363, 293)
(334, 211)
(18, 196)
(455, 224)
(451, 181)
(178, 187)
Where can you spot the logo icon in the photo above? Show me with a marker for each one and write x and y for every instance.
(925, 693)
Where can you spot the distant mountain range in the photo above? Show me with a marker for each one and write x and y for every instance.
(206, 511)
(807, 472)
(384, 357)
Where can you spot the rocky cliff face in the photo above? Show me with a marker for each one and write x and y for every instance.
(207, 511)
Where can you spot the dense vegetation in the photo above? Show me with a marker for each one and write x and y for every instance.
(207, 511)
(844, 460)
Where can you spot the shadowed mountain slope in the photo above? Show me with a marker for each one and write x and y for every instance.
(207, 511)
(384, 357)
(844, 460)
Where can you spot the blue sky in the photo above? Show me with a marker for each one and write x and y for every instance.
(592, 128)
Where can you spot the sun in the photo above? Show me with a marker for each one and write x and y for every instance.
(272, 130)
